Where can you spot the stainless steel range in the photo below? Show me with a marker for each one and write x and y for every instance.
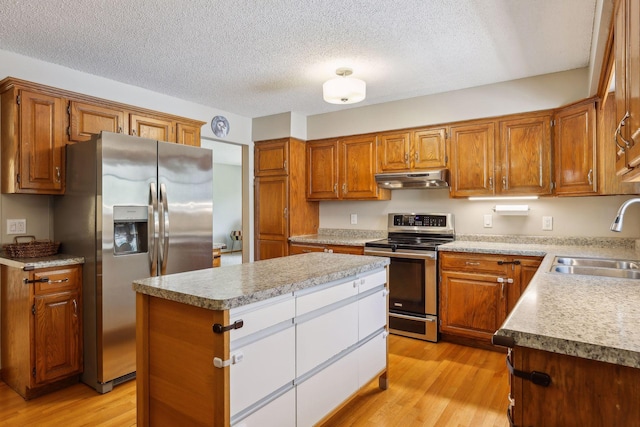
(413, 273)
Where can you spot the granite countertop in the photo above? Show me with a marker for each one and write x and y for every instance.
(343, 237)
(57, 260)
(585, 316)
(238, 285)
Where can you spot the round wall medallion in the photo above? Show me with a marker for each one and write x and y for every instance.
(220, 126)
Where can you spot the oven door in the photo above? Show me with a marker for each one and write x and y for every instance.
(413, 302)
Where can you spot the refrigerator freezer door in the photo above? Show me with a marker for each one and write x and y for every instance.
(128, 172)
(186, 180)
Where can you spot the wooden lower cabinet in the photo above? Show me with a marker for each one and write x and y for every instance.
(582, 392)
(478, 291)
(298, 248)
(41, 328)
(296, 358)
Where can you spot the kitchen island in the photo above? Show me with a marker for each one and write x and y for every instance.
(279, 342)
(578, 333)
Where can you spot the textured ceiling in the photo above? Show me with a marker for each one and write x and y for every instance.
(257, 58)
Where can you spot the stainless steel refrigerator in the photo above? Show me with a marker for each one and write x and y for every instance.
(134, 208)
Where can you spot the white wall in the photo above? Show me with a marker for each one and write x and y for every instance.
(572, 216)
(535, 93)
(227, 202)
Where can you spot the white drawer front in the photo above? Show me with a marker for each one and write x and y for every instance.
(372, 358)
(372, 313)
(261, 315)
(321, 338)
(313, 301)
(372, 280)
(279, 413)
(266, 365)
(320, 394)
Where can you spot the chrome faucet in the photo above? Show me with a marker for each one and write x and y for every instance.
(616, 225)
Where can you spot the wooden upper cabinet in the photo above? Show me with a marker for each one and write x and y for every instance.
(524, 156)
(429, 149)
(343, 169)
(358, 168)
(395, 151)
(152, 128)
(322, 169)
(32, 142)
(412, 150)
(188, 134)
(271, 157)
(472, 159)
(86, 120)
(575, 150)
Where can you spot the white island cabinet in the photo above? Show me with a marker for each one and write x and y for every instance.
(281, 342)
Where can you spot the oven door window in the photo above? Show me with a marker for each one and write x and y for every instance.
(407, 285)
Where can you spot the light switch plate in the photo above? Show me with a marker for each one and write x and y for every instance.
(488, 220)
(547, 223)
(354, 218)
(16, 226)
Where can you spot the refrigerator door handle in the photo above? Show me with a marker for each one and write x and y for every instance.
(153, 229)
(164, 229)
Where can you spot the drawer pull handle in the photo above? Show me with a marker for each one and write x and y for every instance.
(538, 378)
(472, 263)
(46, 280)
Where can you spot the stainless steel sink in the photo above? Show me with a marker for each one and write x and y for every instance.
(622, 273)
(598, 262)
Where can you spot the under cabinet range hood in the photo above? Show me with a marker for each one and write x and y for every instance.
(434, 178)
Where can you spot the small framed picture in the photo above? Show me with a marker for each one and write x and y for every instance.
(220, 126)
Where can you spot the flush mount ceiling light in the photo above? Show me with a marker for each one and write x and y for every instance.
(344, 89)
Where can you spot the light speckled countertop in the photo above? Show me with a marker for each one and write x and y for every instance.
(57, 260)
(335, 236)
(586, 316)
(237, 285)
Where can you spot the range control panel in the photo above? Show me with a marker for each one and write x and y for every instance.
(420, 220)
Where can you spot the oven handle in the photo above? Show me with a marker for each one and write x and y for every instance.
(420, 319)
(425, 255)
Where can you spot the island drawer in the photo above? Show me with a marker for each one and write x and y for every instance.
(322, 337)
(280, 412)
(271, 359)
(372, 313)
(262, 315)
(373, 280)
(372, 358)
(310, 301)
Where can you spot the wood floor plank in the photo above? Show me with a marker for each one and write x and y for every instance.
(441, 384)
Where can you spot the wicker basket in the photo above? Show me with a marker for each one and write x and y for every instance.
(32, 249)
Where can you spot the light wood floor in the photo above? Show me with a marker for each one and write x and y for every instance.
(430, 384)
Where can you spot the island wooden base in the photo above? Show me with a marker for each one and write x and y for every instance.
(582, 392)
(177, 383)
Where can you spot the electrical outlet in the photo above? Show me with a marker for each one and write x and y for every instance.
(16, 226)
(488, 220)
(547, 223)
(354, 218)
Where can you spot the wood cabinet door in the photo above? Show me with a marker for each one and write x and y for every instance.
(57, 345)
(428, 149)
(357, 168)
(522, 275)
(86, 120)
(322, 170)
(272, 216)
(152, 128)
(271, 157)
(41, 143)
(632, 76)
(524, 154)
(472, 160)
(575, 150)
(471, 305)
(187, 134)
(394, 151)
(621, 38)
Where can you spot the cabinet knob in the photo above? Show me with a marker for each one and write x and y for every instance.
(57, 173)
